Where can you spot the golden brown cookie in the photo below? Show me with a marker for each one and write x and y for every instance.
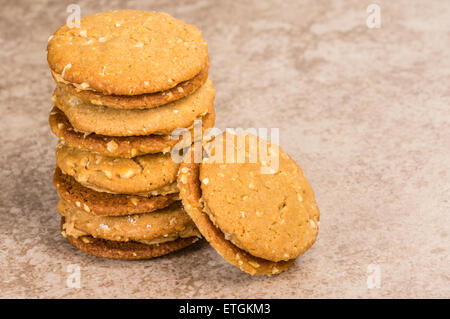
(153, 174)
(263, 205)
(127, 52)
(119, 146)
(142, 101)
(163, 120)
(167, 224)
(190, 192)
(106, 204)
(126, 250)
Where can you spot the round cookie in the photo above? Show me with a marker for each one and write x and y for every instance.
(118, 146)
(263, 205)
(167, 224)
(126, 250)
(142, 101)
(190, 192)
(127, 52)
(153, 174)
(106, 204)
(86, 117)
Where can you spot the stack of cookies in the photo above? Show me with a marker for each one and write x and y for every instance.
(125, 81)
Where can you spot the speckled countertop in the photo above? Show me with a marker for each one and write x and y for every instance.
(366, 113)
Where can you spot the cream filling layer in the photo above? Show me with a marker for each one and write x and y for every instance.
(171, 188)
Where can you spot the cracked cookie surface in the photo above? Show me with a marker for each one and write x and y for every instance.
(127, 52)
(153, 174)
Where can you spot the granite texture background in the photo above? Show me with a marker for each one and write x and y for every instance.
(366, 113)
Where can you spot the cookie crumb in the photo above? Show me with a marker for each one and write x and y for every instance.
(131, 219)
(134, 201)
(183, 179)
(108, 174)
(184, 170)
(112, 146)
(127, 174)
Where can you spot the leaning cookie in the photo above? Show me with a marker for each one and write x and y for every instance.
(258, 219)
(106, 204)
(119, 146)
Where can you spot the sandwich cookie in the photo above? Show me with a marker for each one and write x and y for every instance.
(127, 250)
(106, 204)
(153, 174)
(156, 227)
(127, 52)
(162, 231)
(257, 215)
(142, 101)
(89, 118)
(118, 146)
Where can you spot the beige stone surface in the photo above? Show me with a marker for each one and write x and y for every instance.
(366, 113)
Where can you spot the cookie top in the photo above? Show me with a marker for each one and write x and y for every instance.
(263, 205)
(190, 192)
(142, 101)
(138, 175)
(106, 204)
(86, 117)
(160, 226)
(120, 146)
(127, 52)
(125, 250)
